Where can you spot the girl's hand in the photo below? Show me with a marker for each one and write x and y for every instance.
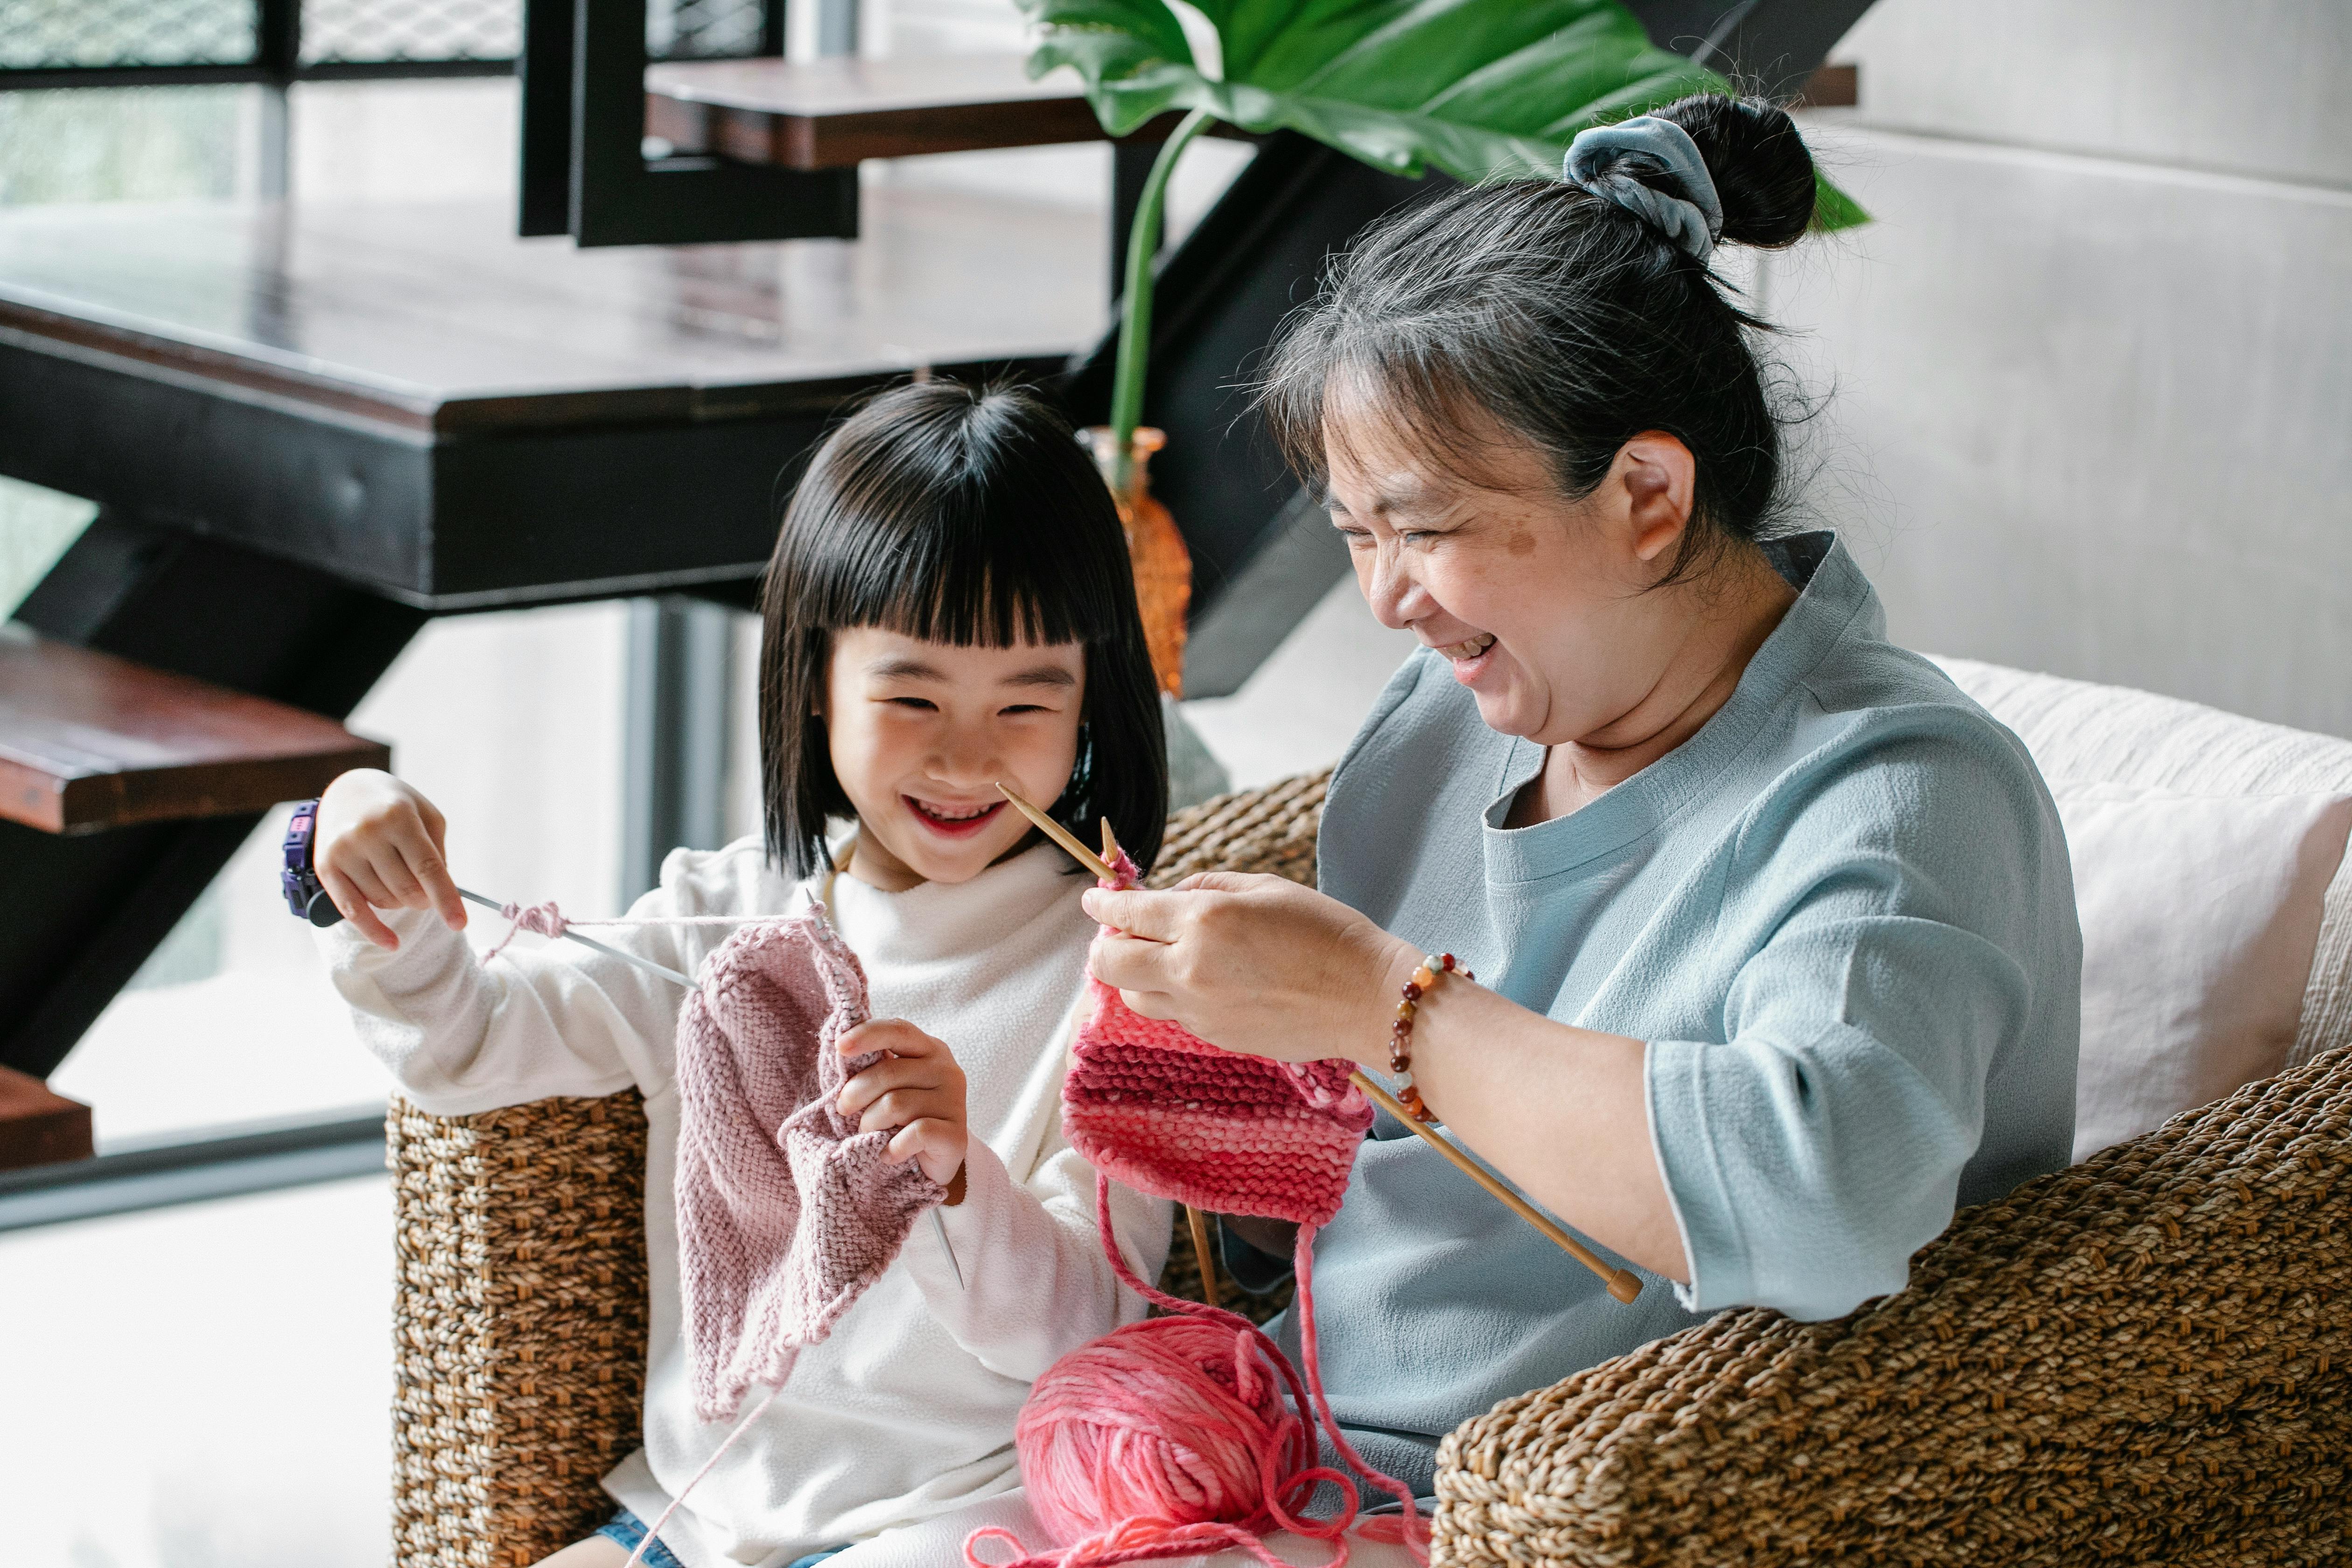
(917, 1089)
(379, 846)
(1255, 964)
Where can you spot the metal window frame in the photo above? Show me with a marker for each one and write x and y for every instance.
(276, 62)
(233, 1162)
(584, 169)
(29, 78)
(276, 59)
(584, 172)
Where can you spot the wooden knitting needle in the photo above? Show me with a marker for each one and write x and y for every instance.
(1623, 1283)
(1200, 1230)
(1061, 836)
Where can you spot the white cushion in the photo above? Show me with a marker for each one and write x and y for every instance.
(2078, 731)
(2199, 914)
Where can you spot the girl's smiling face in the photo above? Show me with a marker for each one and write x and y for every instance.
(920, 733)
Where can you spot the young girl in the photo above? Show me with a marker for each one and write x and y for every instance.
(950, 605)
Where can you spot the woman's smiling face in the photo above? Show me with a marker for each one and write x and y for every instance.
(921, 733)
(1538, 602)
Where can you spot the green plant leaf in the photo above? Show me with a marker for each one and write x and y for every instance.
(1475, 87)
(1832, 208)
(1479, 88)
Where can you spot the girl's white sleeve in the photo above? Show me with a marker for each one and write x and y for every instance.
(1016, 1272)
(462, 1037)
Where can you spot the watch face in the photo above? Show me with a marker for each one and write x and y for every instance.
(298, 881)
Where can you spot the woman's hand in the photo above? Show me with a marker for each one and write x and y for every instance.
(1262, 965)
(380, 846)
(1255, 964)
(915, 1090)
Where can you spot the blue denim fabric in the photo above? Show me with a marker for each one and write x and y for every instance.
(628, 1530)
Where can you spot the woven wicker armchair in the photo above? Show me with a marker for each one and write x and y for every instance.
(2145, 1358)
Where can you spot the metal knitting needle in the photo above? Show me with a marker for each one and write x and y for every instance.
(948, 1246)
(1623, 1283)
(663, 969)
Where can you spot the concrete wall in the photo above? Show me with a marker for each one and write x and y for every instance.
(2090, 372)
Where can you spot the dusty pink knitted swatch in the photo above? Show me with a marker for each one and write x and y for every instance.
(786, 1213)
(1151, 1105)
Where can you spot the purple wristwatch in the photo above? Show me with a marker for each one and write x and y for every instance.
(300, 879)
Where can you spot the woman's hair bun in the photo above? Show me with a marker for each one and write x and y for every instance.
(1763, 171)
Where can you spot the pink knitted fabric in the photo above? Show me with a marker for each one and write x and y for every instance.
(1150, 1104)
(786, 1213)
(1155, 1107)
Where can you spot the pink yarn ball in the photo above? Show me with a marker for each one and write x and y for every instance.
(1176, 1418)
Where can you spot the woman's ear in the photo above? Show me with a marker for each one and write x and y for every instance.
(1658, 476)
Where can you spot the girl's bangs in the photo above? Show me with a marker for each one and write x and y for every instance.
(979, 580)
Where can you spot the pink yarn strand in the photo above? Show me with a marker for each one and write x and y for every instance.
(539, 919)
(1151, 1375)
(545, 919)
(1302, 1265)
(678, 921)
(1136, 1540)
(652, 1532)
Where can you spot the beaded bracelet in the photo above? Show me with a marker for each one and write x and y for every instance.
(1400, 1032)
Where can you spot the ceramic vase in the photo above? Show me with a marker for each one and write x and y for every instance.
(1163, 566)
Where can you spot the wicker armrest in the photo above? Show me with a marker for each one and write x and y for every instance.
(1270, 830)
(2142, 1358)
(518, 1325)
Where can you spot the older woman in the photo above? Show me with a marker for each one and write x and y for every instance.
(1774, 929)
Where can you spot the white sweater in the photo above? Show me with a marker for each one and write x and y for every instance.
(906, 1412)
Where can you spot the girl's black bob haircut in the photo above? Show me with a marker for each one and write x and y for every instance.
(963, 515)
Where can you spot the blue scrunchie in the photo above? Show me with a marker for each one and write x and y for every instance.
(1692, 221)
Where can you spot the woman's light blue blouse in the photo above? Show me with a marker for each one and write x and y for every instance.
(1842, 917)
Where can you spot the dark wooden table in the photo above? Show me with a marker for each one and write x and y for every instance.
(414, 400)
(309, 429)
